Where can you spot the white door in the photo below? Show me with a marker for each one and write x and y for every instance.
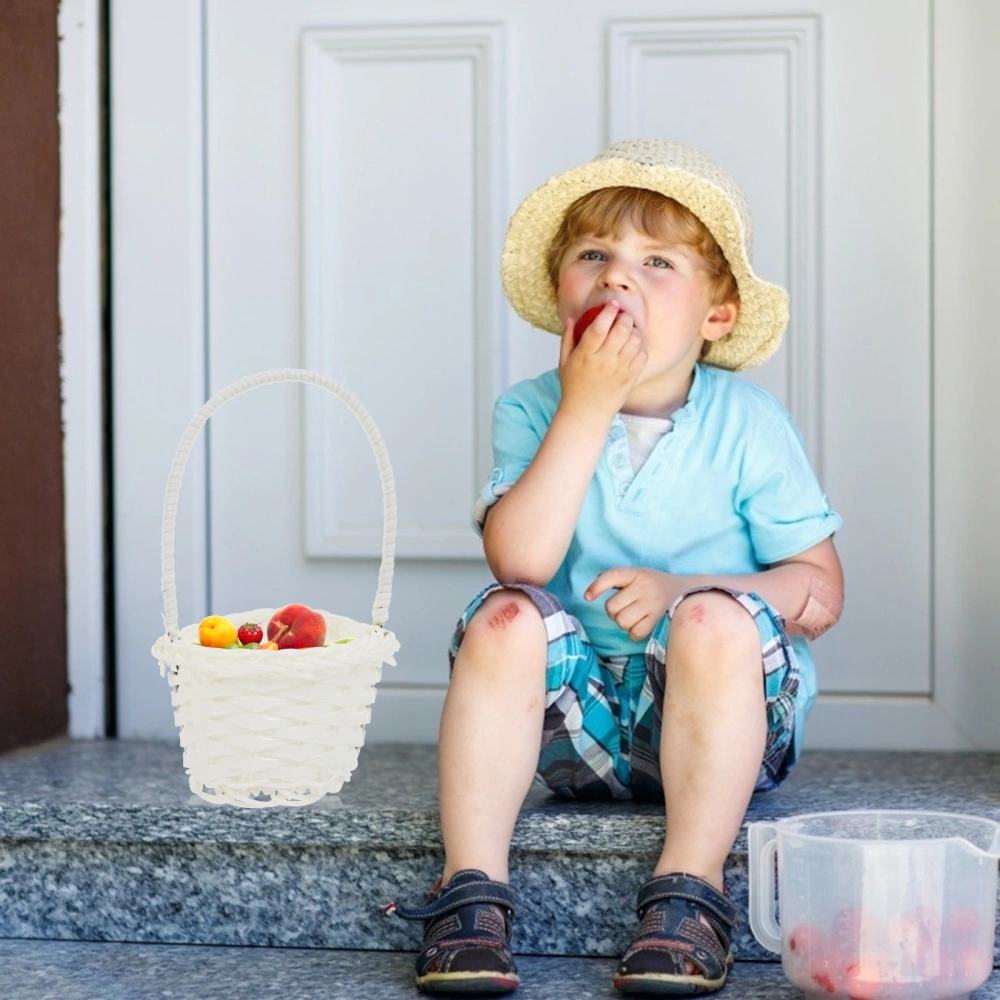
(326, 185)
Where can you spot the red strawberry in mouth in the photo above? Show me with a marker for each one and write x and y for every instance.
(585, 320)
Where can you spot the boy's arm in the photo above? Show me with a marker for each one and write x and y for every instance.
(807, 590)
(528, 530)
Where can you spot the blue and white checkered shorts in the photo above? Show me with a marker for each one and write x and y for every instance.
(601, 736)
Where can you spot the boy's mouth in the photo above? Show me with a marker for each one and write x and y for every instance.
(623, 308)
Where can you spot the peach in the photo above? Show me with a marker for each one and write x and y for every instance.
(296, 626)
(216, 631)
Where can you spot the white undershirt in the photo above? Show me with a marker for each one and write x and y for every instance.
(643, 433)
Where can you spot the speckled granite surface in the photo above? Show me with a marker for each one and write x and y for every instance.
(63, 970)
(103, 841)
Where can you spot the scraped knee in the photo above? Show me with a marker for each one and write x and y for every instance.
(503, 613)
(508, 614)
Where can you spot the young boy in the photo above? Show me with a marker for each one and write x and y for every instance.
(644, 469)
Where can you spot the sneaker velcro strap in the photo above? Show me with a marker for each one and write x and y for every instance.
(689, 887)
(454, 897)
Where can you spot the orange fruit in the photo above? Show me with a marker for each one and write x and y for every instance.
(216, 631)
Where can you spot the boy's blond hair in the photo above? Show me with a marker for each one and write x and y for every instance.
(606, 210)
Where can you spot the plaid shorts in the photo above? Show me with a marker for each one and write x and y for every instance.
(601, 736)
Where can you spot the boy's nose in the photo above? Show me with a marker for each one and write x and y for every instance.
(615, 276)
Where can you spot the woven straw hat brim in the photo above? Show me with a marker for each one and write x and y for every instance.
(763, 312)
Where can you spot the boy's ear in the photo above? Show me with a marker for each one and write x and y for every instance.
(720, 321)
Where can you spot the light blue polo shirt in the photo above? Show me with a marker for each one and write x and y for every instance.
(729, 490)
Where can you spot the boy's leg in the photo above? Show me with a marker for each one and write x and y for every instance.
(491, 731)
(712, 741)
(713, 734)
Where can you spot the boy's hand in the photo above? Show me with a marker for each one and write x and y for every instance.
(642, 599)
(599, 374)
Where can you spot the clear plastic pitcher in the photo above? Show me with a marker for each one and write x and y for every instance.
(877, 904)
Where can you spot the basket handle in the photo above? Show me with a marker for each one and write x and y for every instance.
(380, 609)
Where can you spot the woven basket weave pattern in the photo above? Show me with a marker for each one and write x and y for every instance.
(286, 724)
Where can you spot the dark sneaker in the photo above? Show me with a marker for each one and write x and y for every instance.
(467, 925)
(684, 919)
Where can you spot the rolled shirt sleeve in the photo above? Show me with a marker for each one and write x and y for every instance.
(515, 442)
(781, 500)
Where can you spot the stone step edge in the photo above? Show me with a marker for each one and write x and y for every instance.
(601, 835)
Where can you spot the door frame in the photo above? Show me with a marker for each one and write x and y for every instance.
(82, 349)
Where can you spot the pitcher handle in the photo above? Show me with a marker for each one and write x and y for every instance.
(762, 850)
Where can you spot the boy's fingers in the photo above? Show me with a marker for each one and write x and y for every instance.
(624, 327)
(642, 629)
(613, 578)
(601, 324)
(566, 344)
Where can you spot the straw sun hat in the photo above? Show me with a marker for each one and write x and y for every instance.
(681, 173)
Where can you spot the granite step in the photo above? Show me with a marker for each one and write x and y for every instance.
(104, 841)
(73, 970)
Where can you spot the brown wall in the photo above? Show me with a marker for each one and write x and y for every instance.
(33, 680)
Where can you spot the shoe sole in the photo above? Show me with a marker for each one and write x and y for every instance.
(667, 985)
(467, 982)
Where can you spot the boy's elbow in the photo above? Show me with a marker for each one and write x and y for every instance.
(823, 608)
(507, 570)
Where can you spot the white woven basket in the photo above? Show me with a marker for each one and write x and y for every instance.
(278, 727)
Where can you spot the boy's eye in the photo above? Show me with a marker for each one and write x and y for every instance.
(659, 262)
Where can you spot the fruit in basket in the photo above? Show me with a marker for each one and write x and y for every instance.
(296, 626)
(249, 632)
(216, 631)
(268, 645)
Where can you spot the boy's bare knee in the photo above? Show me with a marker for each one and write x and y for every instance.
(506, 612)
(712, 616)
(503, 613)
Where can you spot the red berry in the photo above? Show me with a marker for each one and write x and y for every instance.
(249, 632)
(806, 940)
(824, 981)
(584, 321)
(864, 980)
